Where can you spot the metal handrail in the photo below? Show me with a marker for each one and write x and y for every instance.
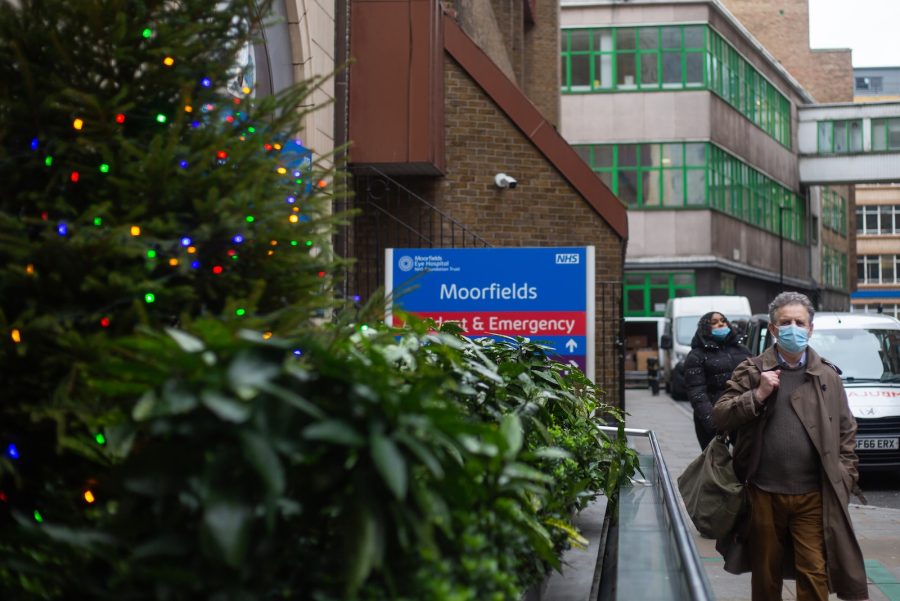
(684, 542)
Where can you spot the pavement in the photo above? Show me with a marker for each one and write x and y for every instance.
(877, 528)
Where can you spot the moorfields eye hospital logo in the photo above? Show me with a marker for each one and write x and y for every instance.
(405, 263)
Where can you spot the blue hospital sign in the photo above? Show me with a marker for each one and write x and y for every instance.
(545, 294)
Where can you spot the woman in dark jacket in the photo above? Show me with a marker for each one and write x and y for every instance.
(715, 352)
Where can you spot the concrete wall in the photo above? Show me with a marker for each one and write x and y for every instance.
(312, 27)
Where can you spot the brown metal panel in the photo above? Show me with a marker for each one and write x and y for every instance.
(396, 85)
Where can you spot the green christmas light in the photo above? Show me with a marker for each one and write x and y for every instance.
(294, 243)
(48, 160)
(100, 438)
(38, 517)
(98, 221)
(149, 298)
(160, 118)
(251, 130)
(240, 312)
(104, 168)
(151, 254)
(147, 33)
(250, 218)
(309, 242)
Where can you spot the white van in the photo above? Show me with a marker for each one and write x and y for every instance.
(682, 315)
(866, 348)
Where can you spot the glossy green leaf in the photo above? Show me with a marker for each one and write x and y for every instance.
(334, 431)
(390, 464)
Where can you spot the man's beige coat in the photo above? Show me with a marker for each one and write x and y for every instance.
(821, 404)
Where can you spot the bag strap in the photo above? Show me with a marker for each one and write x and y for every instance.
(756, 449)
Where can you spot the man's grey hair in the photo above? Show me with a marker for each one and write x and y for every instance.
(790, 298)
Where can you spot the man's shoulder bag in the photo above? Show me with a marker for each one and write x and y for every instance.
(712, 493)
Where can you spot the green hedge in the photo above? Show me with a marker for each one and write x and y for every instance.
(354, 462)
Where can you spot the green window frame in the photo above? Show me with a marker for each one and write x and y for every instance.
(617, 59)
(834, 268)
(689, 175)
(646, 293)
(840, 136)
(737, 82)
(885, 134)
(834, 211)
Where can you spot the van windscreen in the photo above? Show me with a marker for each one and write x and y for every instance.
(862, 354)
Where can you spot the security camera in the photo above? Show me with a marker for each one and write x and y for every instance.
(505, 181)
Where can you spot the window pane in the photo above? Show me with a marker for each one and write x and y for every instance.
(635, 301)
(628, 155)
(584, 152)
(671, 62)
(650, 69)
(628, 187)
(634, 279)
(650, 187)
(871, 220)
(893, 134)
(671, 37)
(580, 39)
(603, 41)
(671, 155)
(886, 219)
(856, 136)
(696, 182)
(673, 187)
(860, 226)
(879, 134)
(860, 271)
(625, 39)
(840, 136)
(695, 36)
(658, 298)
(651, 155)
(683, 279)
(581, 70)
(603, 71)
(872, 270)
(887, 269)
(896, 221)
(659, 279)
(625, 70)
(693, 67)
(825, 136)
(648, 38)
(695, 154)
(603, 156)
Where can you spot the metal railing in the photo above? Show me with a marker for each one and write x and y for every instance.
(393, 215)
(685, 563)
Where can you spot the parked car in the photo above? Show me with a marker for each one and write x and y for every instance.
(866, 348)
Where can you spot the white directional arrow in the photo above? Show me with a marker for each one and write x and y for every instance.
(571, 345)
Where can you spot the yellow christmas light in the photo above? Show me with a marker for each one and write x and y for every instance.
(281, 170)
(188, 108)
(267, 335)
(293, 219)
(89, 496)
(16, 336)
(135, 230)
(29, 269)
(168, 61)
(277, 146)
(245, 90)
(173, 262)
(274, 242)
(191, 249)
(78, 124)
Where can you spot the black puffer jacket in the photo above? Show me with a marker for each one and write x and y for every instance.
(706, 370)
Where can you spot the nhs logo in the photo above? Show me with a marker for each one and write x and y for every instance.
(567, 258)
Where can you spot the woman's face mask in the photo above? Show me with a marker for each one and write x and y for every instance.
(721, 333)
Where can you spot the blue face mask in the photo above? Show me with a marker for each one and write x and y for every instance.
(793, 338)
(720, 334)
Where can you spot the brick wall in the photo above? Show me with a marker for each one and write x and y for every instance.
(543, 210)
(782, 26)
(542, 77)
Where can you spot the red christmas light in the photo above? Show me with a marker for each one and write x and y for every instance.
(104, 322)
(222, 155)
(217, 269)
(74, 177)
(120, 118)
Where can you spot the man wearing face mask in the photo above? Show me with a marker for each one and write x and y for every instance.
(794, 448)
(715, 352)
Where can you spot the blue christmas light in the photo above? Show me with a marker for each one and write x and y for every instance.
(291, 199)
(297, 352)
(195, 264)
(195, 124)
(12, 451)
(34, 143)
(206, 82)
(237, 239)
(183, 164)
(186, 241)
(62, 229)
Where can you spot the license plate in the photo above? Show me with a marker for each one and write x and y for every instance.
(877, 444)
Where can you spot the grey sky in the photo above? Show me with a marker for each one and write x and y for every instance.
(869, 27)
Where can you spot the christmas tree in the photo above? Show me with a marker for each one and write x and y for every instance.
(145, 186)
